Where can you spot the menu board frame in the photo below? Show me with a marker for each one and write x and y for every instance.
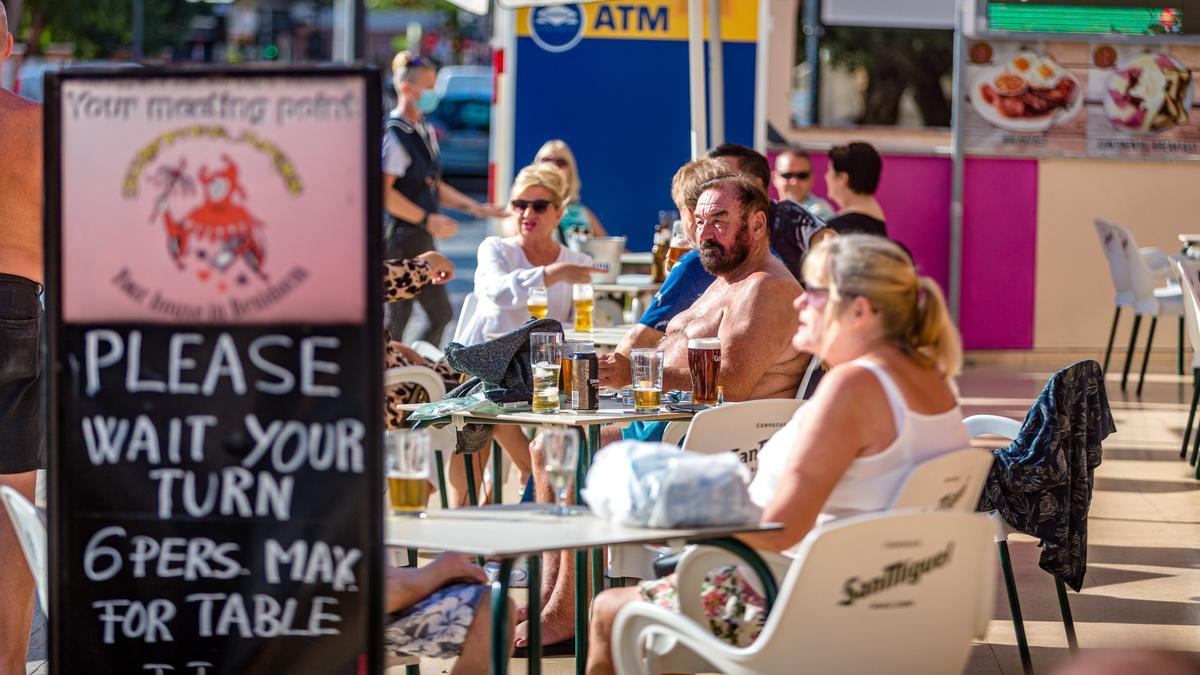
(360, 393)
(975, 27)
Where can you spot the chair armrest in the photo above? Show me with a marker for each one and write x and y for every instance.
(694, 566)
(663, 633)
(422, 376)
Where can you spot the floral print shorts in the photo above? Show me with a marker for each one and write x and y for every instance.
(735, 611)
(435, 627)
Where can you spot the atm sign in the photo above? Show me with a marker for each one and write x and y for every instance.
(559, 28)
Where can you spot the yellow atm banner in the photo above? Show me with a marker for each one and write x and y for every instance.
(641, 19)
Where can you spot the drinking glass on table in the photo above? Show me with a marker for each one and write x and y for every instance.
(545, 351)
(409, 469)
(561, 447)
(539, 302)
(584, 298)
(646, 366)
(704, 363)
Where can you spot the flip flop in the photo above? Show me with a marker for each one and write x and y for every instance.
(518, 578)
(556, 650)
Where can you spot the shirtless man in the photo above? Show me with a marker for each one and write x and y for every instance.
(747, 307)
(22, 423)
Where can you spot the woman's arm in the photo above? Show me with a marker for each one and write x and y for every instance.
(839, 429)
(499, 282)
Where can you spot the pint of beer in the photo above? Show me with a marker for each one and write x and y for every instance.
(409, 468)
(584, 298)
(704, 362)
(539, 302)
(546, 364)
(646, 367)
(680, 244)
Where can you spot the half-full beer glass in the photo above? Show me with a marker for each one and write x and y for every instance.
(409, 469)
(680, 244)
(584, 298)
(704, 362)
(646, 366)
(539, 302)
(545, 351)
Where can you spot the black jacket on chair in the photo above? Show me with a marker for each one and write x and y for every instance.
(1041, 484)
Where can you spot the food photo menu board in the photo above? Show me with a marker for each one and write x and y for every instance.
(1082, 98)
(213, 299)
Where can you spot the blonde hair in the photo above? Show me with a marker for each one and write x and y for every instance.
(911, 306)
(541, 175)
(559, 148)
(406, 66)
(685, 186)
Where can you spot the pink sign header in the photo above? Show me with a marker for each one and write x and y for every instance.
(214, 200)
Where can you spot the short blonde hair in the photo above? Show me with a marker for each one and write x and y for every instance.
(406, 66)
(541, 175)
(685, 186)
(911, 306)
(559, 148)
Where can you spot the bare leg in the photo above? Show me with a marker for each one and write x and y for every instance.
(476, 649)
(16, 585)
(513, 440)
(604, 615)
(456, 478)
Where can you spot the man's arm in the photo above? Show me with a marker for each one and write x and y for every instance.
(451, 198)
(397, 204)
(639, 336)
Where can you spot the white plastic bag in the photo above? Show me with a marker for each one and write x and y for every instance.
(657, 485)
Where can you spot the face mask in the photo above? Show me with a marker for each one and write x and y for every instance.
(428, 101)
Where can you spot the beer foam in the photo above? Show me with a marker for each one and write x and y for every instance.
(704, 343)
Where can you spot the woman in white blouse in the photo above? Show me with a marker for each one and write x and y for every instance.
(510, 267)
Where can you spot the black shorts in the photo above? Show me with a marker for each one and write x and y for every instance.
(22, 386)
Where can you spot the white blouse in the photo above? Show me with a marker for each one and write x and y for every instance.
(503, 277)
(870, 482)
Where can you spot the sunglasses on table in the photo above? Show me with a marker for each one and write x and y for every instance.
(539, 205)
(556, 161)
(796, 175)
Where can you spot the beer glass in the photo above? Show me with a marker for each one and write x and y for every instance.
(409, 469)
(680, 244)
(704, 363)
(561, 447)
(539, 303)
(647, 368)
(570, 348)
(545, 352)
(584, 298)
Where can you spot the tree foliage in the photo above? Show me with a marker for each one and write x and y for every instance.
(101, 29)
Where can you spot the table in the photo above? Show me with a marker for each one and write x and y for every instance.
(608, 336)
(528, 530)
(637, 260)
(611, 412)
(638, 286)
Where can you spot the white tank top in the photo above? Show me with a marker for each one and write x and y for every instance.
(871, 481)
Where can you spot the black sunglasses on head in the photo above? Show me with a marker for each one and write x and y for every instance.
(556, 161)
(539, 205)
(797, 175)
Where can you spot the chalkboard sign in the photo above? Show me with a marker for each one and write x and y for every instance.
(216, 493)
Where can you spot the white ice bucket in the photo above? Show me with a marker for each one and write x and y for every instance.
(606, 254)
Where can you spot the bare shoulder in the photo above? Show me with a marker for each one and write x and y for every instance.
(850, 381)
(771, 285)
(20, 121)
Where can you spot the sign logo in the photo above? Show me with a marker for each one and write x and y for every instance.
(906, 571)
(557, 28)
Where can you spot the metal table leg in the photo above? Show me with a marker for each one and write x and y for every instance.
(581, 611)
(500, 638)
(535, 614)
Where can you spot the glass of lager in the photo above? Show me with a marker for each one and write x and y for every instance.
(545, 352)
(680, 244)
(570, 348)
(584, 298)
(647, 370)
(409, 468)
(704, 363)
(561, 447)
(539, 303)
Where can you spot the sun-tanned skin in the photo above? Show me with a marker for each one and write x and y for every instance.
(749, 307)
(20, 255)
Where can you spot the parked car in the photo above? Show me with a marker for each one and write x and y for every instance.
(462, 123)
(464, 80)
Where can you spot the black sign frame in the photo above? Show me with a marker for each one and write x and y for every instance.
(58, 375)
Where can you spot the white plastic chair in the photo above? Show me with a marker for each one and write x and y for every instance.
(428, 350)
(815, 625)
(465, 314)
(1136, 286)
(995, 425)
(1186, 273)
(29, 522)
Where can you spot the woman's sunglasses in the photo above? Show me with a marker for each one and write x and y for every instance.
(796, 175)
(539, 205)
(556, 161)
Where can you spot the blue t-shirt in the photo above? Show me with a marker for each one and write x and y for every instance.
(687, 281)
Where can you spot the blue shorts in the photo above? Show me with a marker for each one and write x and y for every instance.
(649, 432)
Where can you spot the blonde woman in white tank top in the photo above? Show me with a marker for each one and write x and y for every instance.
(885, 405)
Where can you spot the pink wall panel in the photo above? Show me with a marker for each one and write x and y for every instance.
(1000, 232)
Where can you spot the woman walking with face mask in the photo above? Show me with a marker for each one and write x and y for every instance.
(414, 192)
